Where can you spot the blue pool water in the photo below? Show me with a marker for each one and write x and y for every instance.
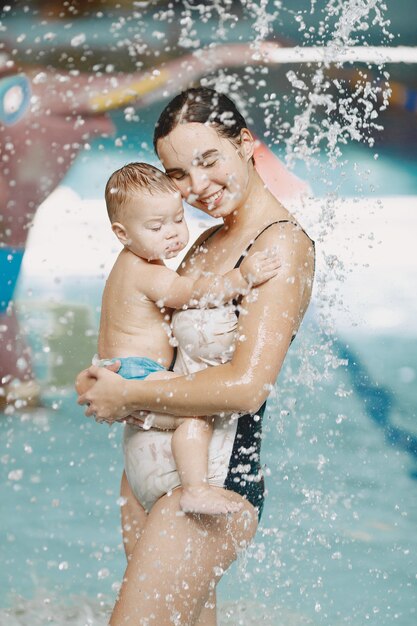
(337, 542)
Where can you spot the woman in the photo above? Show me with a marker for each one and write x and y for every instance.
(176, 560)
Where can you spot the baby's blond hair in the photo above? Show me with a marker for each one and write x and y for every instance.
(130, 180)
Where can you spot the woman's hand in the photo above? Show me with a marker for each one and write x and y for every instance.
(104, 392)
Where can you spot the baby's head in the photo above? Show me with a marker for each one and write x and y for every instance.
(146, 212)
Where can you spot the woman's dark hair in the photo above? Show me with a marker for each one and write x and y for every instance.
(202, 105)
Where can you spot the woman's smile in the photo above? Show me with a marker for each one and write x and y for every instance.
(211, 179)
(214, 199)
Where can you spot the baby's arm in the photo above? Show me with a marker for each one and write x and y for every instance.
(254, 270)
(169, 289)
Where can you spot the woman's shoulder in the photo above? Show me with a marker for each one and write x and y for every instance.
(284, 227)
(288, 236)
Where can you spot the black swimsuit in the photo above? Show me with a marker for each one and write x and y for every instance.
(234, 455)
(245, 475)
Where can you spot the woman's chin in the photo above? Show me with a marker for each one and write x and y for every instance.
(225, 208)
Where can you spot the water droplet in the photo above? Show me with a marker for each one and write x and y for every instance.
(78, 40)
(16, 474)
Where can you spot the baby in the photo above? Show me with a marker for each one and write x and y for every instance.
(147, 216)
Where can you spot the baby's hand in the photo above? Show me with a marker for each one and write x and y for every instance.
(259, 267)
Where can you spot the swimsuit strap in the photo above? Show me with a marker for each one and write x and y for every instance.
(213, 232)
(237, 301)
(259, 234)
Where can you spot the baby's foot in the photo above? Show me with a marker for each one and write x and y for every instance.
(207, 500)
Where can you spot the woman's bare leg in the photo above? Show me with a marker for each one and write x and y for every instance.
(133, 517)
(208, 615)
(133, 521)
(177, 562)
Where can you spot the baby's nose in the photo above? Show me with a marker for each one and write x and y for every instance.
(171, 231)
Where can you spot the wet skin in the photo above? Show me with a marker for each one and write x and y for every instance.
(229, 187)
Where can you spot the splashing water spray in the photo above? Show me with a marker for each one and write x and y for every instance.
(327, 106)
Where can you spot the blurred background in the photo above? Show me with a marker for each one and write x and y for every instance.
(81, 87)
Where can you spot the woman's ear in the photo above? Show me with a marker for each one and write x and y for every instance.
(247, 144)
(121, 234)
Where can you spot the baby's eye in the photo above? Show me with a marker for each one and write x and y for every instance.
(177, 175)
(155, 228)
(209, 163)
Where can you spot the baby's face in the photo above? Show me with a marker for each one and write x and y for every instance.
(155, 225)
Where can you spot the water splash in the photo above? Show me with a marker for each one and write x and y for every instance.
(45, 608)
(331, 111)
(336, 110)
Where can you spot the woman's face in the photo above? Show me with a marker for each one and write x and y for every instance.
(210, 172)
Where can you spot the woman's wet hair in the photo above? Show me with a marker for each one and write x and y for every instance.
(205, 106)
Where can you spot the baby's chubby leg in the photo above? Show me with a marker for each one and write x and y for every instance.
(190, 448)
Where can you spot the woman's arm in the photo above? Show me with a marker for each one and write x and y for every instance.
(266, 326)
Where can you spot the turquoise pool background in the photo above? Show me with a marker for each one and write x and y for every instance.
(337, 543)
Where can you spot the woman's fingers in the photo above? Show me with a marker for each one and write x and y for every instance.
(88, 389)
(114, 367)
(90, 377)
(105, 399)
(84, 382)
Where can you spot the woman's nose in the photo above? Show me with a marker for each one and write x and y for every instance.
(198, 181)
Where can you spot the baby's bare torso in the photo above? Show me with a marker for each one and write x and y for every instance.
(131, 324)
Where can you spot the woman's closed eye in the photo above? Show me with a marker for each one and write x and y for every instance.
(181, 174)
(209, 163)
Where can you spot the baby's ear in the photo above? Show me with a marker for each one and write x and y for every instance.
(120, 232)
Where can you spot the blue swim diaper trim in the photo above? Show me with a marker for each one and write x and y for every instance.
(15, 95)
(137, 367)
(10, 262)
